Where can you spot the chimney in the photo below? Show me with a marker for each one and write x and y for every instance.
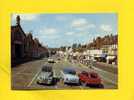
(18, 20)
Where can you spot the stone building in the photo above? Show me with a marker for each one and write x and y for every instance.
(18, 40)
(23, 46)
(29, 45)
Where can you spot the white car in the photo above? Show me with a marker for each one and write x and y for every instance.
(46, 76)
(68, 75)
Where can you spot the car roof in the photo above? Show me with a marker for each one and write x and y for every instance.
(46, 65)
(68, 69)
(84, 72)
(92, 72)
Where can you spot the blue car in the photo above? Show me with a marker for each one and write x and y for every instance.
(69, 76)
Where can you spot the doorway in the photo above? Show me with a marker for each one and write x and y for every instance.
(18, 49)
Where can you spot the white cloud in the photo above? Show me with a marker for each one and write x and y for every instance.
(106, 28)
(48, 34)
(48, 31)
(52, 37)
(79, 22)
(82, 24)
(26, 17)
(81, 33)
(70, 33)
(86, 27)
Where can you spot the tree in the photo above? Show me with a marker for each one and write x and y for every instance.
(74, 45)
(79, 45)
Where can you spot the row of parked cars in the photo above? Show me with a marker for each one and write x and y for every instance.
(69, 76)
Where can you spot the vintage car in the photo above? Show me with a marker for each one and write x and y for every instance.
(90, 78)
(46, 75)
(68, 75)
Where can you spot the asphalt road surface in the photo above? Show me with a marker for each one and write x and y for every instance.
(24, 76)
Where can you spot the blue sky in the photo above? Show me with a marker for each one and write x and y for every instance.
(55, 30)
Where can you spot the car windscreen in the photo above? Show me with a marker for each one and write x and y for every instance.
(47, 69)
(69, 71)
(93, 75)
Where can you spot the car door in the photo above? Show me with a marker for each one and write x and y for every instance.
(83, 77)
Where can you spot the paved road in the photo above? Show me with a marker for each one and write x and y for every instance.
(25, 76)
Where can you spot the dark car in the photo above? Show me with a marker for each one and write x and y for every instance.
(90, 78)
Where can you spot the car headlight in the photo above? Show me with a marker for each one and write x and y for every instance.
(39, 78)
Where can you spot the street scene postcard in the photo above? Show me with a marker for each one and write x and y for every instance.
(64, 51)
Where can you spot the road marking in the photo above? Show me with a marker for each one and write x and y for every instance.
(34, 78)
(104, 71)
(109, 80)
(100, 70)
(56, 87)
(22, 71)
(54, 75)
(80, 87)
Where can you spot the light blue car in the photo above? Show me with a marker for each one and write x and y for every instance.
(68, 75)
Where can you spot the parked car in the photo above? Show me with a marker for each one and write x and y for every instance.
(90, 78)
(46, 76)
(68, 75)
(50, 60)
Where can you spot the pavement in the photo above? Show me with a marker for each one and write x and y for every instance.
(24, 76)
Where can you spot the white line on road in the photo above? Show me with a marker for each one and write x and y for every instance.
(111, 74)
(109, 80)
(56, 87)
(34, 78)
(54, 75)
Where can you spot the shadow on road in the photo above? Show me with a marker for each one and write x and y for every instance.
(96, 86)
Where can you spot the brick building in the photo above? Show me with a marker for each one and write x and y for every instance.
(23, 46)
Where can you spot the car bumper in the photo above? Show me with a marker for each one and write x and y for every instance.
(94, 83)
(44, 81)
(71, 81)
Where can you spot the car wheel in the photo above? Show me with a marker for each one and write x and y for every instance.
(38, 82)
(79, 83)
(53, 81)
(101, 86)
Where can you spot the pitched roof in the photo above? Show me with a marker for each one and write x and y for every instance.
(20, 28)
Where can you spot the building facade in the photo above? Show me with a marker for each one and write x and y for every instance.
(23, 46)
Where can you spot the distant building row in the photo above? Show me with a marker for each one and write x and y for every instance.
(107, 53)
